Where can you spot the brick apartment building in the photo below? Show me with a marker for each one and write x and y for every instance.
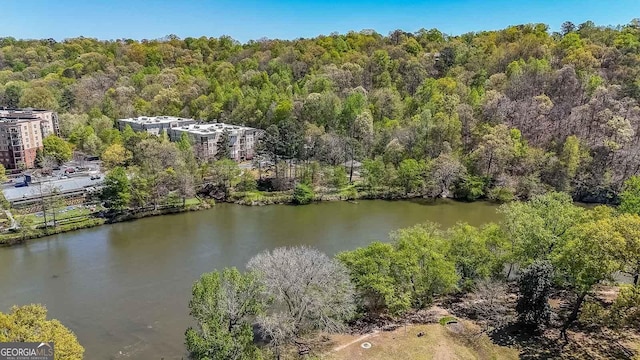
(21, 135)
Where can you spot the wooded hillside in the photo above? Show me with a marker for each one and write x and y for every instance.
(502, 113)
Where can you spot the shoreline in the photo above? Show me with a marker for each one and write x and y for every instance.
(251, 198)
(12, 239)
(239, 198)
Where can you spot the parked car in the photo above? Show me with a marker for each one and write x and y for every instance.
(95, 177)
(70, 170)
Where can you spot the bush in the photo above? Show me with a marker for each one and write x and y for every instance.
(247, 182)
(626, 309)
(623, 313)
(593, 314)
(303, 194)
(470, 188)
(501, 194)
(339, 177)
(349, 193)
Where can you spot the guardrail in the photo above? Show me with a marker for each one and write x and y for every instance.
(33, 199)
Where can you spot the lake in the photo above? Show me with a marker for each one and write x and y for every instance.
(124, 288)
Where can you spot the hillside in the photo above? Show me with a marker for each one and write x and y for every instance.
(498, 114)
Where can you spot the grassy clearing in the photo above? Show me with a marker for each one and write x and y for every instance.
(11, 238)
(438, 342)
(261, 197)
(63, 214)
(192, 202)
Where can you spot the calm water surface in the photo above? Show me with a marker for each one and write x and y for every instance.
(124, 288)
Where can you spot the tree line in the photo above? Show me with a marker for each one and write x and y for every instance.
(503, 114)
(545, 244)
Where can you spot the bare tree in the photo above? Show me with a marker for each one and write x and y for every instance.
(278, 328)
(489, 304)
(186, 185)
(309, 290)
(446, 170)
(48, 164)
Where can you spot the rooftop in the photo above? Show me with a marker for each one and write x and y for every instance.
(14, 115)
(5, 110)
(211, 128)
(155, 119)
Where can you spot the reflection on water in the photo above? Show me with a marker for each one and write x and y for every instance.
(124, 288)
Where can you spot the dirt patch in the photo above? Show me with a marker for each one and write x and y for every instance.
(435, 342)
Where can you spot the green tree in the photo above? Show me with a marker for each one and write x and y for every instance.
(625, 311)
(115, 155)
(39, 98)
(270, 145)
(226, 173)
(339, 177)
(224, 305)
(223, 146)
(26, 228)
(185, 146)
(471, 187)
(424, 266)
(629, 227)
(589, 256)
(117, 189)
(130, 138)
(498, 147)
(247, 182)
(4, 203)
(410, 175)
(534, 287)
(630, 196)
(570, 156)
(479, 253)
(373, 271)
(57, 148)
(12, 93)
(39, 159)
(303, 194)
(3, 173)
(539, 226)
(373, 172)
(29, 324)
(140, 190)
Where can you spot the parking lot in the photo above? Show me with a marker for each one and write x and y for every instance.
(62, 180)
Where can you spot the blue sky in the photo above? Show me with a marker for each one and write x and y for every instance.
(246, 20)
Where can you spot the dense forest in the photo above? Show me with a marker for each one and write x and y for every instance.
(503, 114)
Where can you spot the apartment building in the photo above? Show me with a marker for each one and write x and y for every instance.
(21, 135)
(205, 137)
(153, 124)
